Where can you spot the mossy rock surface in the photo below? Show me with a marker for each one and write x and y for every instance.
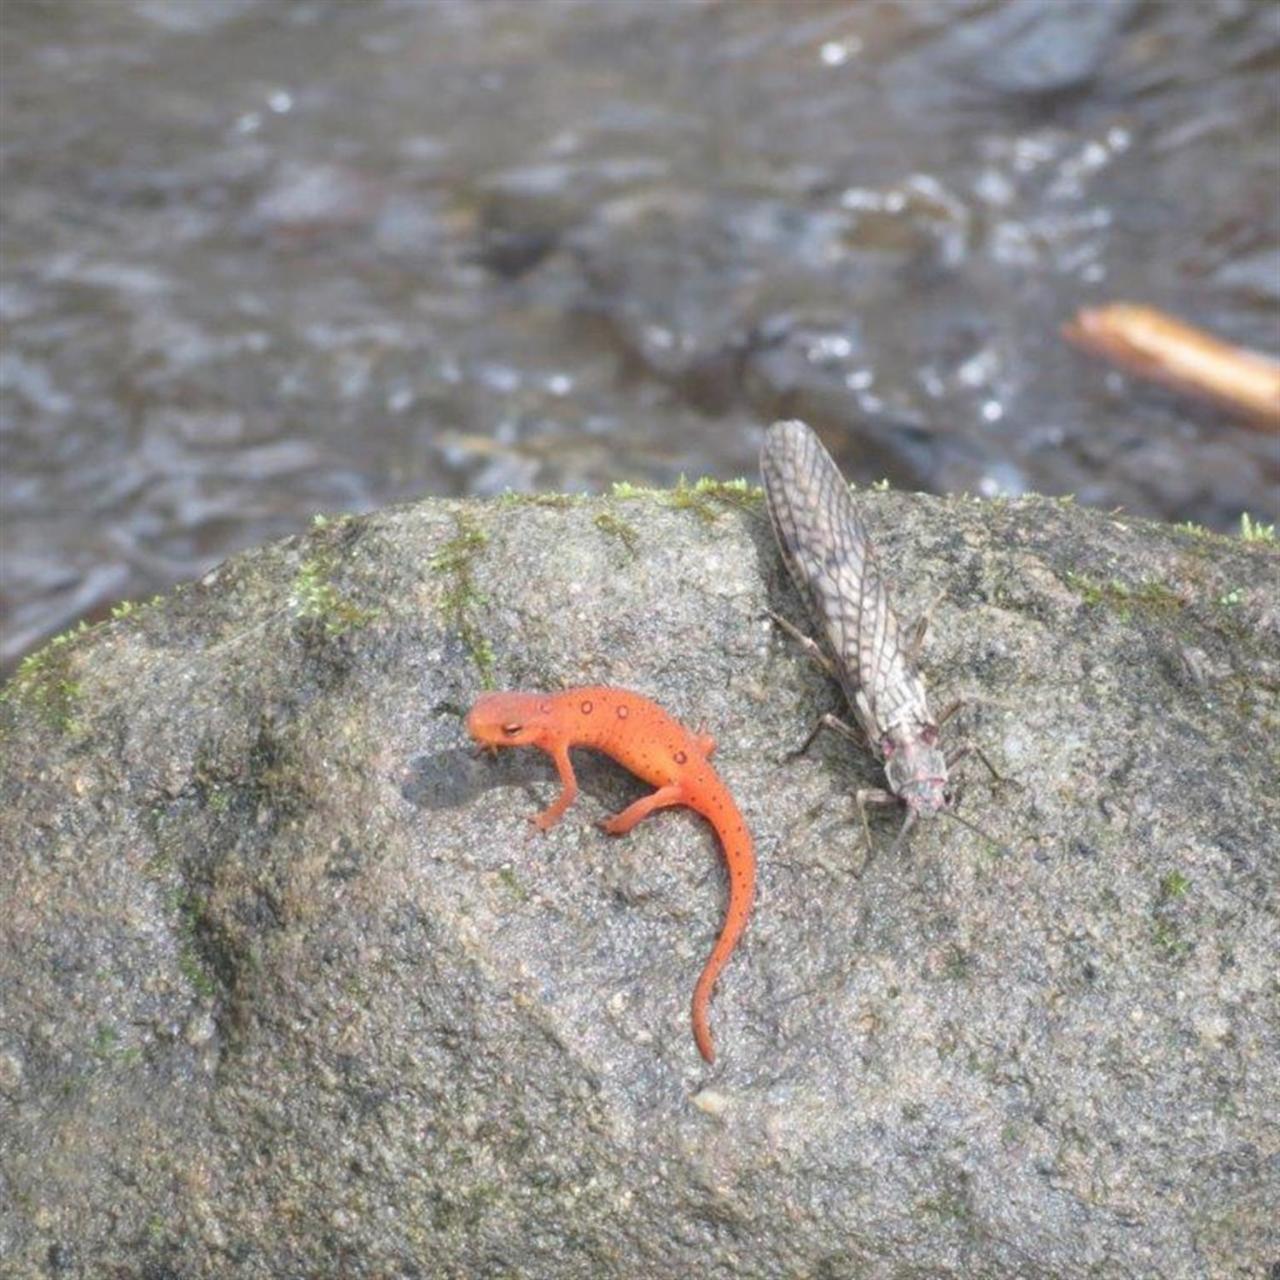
(287, 987)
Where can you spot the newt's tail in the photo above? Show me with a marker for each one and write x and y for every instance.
(741, 862)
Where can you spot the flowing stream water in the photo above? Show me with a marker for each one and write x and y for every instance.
(265, 259)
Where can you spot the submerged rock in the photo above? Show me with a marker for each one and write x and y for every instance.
(289, 988)
(1041, 47)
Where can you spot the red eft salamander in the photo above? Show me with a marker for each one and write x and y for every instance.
(643, 738)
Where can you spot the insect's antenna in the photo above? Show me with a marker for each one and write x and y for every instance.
(973, 826)
(907, 823)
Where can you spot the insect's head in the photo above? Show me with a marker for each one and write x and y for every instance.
(926, 796)
(507, 719)
(917, 771)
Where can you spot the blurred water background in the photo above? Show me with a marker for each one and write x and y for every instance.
(265, 258)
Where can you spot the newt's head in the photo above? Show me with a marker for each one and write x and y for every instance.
(508, 719)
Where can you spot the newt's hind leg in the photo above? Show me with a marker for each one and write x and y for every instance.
(663, 798)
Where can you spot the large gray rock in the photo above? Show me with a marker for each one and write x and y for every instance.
(287, 988)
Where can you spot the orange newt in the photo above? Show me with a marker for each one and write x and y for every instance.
(642, 737)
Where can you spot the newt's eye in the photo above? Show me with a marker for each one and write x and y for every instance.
(512, 729)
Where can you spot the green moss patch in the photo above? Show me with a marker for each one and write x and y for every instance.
(1254, 530)
(453, 562)
(556, 501)
(1147, 597)
(190, 959)
(44, 682)
(620, 529)
(1170, 920)
(706, 498)
(313, 597)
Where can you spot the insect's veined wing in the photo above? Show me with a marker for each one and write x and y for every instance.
(827, 549)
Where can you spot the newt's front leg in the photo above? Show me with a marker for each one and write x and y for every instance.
(552, 814)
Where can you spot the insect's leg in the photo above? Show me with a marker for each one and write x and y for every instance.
(663, 798)
(807, 643)
(907, 823)
(973, 749)
(921, 628)
(970, 748)
(827, 721)
(871, 795)
(996, 775)
(552, 814)
(949, 712)
(916, 643)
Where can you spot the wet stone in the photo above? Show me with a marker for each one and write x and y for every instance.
(273, 935)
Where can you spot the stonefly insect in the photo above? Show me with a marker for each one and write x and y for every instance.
(829, 555)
